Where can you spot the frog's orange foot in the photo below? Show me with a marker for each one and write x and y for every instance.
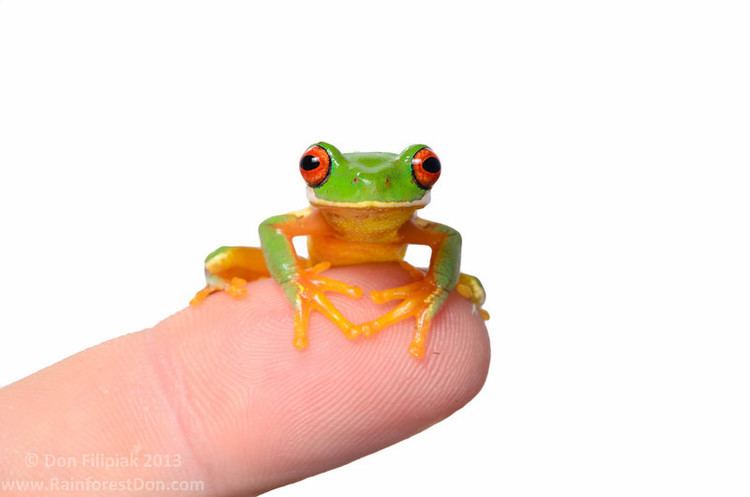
(420, 299)
(309, 288)
(236, 287)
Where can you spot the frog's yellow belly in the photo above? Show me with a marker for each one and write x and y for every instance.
(346, 252)
(360, 235)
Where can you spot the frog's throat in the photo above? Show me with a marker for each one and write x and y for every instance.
(367, 204)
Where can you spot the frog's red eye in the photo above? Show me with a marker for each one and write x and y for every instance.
(315, 165)
(425, 167)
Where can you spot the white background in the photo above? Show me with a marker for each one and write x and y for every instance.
(595, 159)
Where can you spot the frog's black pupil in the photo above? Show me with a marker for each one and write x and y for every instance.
(431, 165)
(309, 162)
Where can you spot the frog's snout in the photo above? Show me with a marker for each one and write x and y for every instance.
(372, 185)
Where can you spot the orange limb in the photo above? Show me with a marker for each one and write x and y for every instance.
(423, 298)
(309, 288)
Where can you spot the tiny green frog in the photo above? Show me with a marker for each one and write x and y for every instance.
(362, 209)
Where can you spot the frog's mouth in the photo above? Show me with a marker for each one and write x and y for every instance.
(367, 204)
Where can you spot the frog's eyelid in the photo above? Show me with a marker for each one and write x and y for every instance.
(331, 149)
(409, 152)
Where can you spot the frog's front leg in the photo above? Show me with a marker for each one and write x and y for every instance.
(304, 286)
(468, 286)
(423, 298)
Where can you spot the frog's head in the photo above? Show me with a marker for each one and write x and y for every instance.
(372, 179)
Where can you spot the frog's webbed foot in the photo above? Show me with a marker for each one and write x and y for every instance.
(470, 288)
(420, 299)
(307, 290)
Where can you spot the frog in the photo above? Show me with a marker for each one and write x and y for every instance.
(362, 209)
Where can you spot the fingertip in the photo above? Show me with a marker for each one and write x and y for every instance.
(264, 413)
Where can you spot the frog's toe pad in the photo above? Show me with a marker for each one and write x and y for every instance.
(300, 342)
(237, 287)
(416, 349)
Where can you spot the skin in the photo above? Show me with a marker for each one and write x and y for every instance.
(362, 209)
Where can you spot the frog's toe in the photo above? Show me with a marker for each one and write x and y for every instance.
(420, 300)
(416, 349)
(330, 285)
(415, 273)
(309, 289)
(397, 293)
(301, 342)
(237, 288)
(201, 295)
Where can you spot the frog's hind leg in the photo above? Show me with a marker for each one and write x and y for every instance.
(229, 269)
(470, 288)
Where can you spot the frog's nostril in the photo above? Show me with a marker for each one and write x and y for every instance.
(387, 181)
(356, 179)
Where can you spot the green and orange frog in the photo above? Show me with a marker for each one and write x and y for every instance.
(362, 209)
